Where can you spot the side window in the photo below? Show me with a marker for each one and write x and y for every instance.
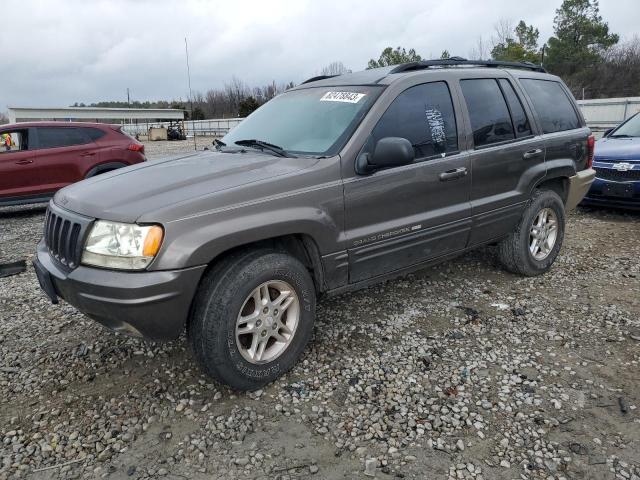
(552, 105)
(490, 120)
(423, 115)
(94, 133)
(52, 137)
(14, 141)
(519, 117)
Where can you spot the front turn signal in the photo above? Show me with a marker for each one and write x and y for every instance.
(152, 241)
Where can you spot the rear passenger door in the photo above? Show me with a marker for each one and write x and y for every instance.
(61, 155)
(506, 155)
(402, 216)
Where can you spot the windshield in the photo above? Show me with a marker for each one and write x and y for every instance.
(629, 129)
(312, 121)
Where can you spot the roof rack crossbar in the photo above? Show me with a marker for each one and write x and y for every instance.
(456, 61)
(319, 77)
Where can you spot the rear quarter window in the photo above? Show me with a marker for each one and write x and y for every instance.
(94, 133)
(552, 105)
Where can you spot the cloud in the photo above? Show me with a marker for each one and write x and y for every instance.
(58, 53)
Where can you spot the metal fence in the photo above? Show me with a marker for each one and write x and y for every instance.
(215, 127)
(600, 115)
(604, 113)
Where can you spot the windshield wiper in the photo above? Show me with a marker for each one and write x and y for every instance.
(624, 135)
(252, 143)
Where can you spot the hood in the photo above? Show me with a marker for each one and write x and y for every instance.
(128, 193)
(623, 149)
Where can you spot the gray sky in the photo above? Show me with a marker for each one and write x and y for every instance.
(57, 52)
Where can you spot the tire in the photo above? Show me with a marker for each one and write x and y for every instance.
(515, 251)
(228, 292)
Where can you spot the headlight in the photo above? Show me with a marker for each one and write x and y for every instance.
(122, 245)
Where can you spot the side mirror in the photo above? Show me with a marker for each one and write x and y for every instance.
(388, 152)
(608, 131)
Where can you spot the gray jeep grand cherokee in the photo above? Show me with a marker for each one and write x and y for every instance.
(334, 185)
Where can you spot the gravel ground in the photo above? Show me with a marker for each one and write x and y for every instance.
(458, 371)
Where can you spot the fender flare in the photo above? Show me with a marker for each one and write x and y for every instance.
(557, 169)
(104, 167)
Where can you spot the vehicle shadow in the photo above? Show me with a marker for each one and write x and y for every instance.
(603, 212)
(22, 211)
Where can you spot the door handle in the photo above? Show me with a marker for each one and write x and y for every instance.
(532, 154)
(453, 174)
(24, 162)
(88, 154)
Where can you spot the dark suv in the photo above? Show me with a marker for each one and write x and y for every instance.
(39, 158)
(334, 185)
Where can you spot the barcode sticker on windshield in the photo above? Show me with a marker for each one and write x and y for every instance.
(348, 97)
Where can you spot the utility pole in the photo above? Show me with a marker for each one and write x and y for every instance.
(193, 123)
(128, 105)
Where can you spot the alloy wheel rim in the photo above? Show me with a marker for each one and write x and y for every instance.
(267, 322)
(543, 234)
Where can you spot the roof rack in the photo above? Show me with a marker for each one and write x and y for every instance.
(456, 61)
(319, 77)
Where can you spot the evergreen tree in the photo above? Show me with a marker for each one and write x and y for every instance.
(247, 106)
(521, 47)
(389, 56)
(581, 38)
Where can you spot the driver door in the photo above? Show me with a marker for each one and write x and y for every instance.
(403, 216)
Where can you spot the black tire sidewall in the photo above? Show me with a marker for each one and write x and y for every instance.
(221, 315)
(546, 199)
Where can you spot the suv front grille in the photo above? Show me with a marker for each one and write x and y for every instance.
(64, 235)
(617, 175)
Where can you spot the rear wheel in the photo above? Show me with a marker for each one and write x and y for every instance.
(534, 245)
(252, 318)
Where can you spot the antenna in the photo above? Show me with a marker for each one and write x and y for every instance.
(193, 123)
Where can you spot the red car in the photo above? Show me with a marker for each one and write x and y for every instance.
(39, 158)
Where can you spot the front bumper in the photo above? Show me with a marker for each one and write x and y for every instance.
(579, 185)
(149, 304)
(610, 193)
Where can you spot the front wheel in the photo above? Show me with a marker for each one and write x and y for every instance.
(534, 245)
(252, 318)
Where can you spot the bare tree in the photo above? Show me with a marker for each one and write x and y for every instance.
(480, 51)
(3, 118)
(334, 68)
(615, 75)
(503, 32)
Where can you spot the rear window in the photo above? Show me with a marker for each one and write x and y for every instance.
(52, 137)
(94, 133)
(552, 105)
(490, 120)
